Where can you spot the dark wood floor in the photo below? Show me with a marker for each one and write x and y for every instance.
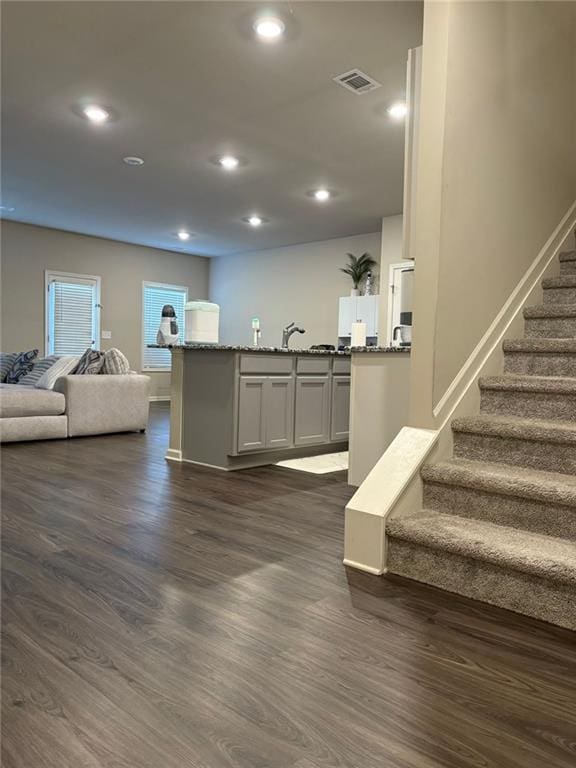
(166, 616)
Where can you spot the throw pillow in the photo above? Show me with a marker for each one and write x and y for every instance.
(115, 362)
(22, 365)
(63, 367)
(90, 363)
(6, 362)
(40, 367)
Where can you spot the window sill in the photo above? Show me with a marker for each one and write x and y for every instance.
(156, 370)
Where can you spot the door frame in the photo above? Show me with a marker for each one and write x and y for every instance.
(394, 285)
(54, 276)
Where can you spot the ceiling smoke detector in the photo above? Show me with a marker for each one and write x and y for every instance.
(357, 81)
(133, 160)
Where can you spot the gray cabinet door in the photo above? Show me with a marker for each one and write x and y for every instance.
(251, 413)
(340, 421)
(312, 421)
(279, 407)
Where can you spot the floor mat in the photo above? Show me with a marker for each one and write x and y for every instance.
(318, 465)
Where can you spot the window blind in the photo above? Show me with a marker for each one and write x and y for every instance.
(72, 317)
(155, 296)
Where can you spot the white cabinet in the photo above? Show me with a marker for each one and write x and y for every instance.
(358, 308)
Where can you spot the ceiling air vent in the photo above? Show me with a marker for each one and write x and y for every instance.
(357, 81)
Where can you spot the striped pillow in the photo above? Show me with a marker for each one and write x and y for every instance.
(22, 365)
(62, 367)
(6, 362)
(115, 362)
(90, 363)
(39, 369)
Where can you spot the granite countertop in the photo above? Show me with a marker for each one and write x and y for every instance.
(277, 350)
(246, 348)
(402, 350)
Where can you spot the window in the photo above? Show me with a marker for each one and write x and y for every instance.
(155, 295)
(72, 313)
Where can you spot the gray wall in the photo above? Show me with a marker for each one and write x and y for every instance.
(27, 251)
(299, 282)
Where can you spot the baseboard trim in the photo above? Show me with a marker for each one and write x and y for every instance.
(363, 567)
(173, 455)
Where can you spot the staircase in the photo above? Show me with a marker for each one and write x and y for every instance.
(499, 519)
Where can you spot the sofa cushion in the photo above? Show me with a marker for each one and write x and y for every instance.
(90, 363)
(39, 368)
(18, 400)
(115, 362)
(33, 428)
(23, 364)
(6, 362)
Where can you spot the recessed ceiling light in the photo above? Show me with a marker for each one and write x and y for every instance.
(7, 208)
(133, 160)
(254, 220)
(183, 235)
(322, 195)
(229, 162)
(269, 27)
(398, 110)
(95, 114)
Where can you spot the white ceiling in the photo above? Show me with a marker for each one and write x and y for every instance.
(189, 81)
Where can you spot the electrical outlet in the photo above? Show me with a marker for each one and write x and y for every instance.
(106, 334)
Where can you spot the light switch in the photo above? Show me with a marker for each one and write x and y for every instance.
(106, 334)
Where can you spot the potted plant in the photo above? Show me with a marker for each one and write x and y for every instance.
(358, 268)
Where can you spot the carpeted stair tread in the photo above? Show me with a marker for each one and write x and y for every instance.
(567, 256)
(504, 479)
(541, 346)
(563, 281)
(547, 557)
(541, 311)
(512, 382)
(517, 427)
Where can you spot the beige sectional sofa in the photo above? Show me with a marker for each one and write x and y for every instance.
(78, 405)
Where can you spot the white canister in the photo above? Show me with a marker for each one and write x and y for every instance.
(358, 335)
(202, 320)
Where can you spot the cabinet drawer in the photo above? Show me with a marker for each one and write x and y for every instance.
(341, 366)
(312, 364)
(266, 364)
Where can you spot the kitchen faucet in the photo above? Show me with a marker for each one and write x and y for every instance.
(288, 331)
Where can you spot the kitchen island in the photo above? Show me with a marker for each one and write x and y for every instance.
(234, 407)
